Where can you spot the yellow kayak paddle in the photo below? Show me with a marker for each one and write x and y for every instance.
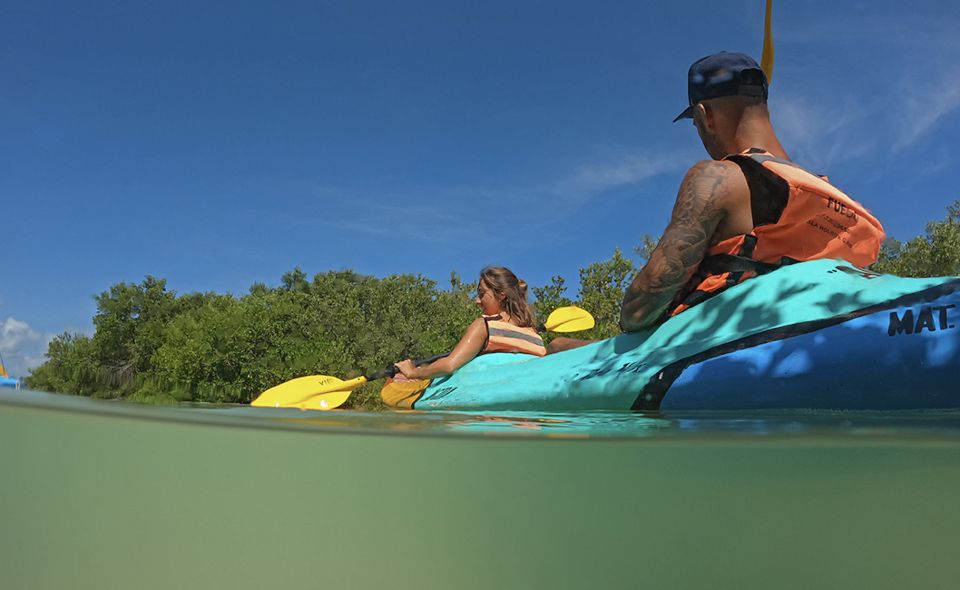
(323, 392)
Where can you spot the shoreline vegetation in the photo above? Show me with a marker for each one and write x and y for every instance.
(152, 345)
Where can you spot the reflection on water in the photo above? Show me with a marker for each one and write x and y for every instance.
(605, 425)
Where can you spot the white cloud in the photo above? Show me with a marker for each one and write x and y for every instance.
(903, 80)
(453, 213)
(623, 170)
(936, 163)
(821, 130)
(819, 135)
(932, 32)
(14, 333)
(925, 104)
(444, 212)
(22, 347)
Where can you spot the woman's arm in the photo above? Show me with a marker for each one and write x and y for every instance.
(469, 347)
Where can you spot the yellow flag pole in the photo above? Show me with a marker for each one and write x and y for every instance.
(766, 60)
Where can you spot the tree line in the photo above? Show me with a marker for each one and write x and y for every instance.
(152, 345)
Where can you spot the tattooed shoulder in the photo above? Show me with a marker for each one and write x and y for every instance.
(705, 186)
(700, 208)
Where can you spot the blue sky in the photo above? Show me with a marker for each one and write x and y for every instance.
(217, 144)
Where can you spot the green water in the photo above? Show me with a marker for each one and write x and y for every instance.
(112, 495)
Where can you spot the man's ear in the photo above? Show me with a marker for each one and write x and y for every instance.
(705, 114)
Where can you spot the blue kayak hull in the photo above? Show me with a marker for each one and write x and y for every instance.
(868, 362)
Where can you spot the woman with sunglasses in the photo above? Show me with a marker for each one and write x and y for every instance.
(507, 325)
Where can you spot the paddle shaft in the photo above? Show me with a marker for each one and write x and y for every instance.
(392, 369)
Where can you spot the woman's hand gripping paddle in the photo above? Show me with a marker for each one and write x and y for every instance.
(323, 392)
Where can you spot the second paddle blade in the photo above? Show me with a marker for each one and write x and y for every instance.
(570, 319)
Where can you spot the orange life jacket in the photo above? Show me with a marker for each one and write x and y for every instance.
(505, 337)
(818, 221)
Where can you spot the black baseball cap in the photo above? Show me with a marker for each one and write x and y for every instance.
(723, 74)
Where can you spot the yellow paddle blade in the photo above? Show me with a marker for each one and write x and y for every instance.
(295, 391)
(766, 60)
(569, 319)
(324, 401)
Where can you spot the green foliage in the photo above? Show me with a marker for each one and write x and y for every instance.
(602, 285)
(153, 346)
(130, 324)
(549, 298)
(933, 255)
(71, 367)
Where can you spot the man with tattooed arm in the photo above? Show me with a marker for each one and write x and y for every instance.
(745, 212)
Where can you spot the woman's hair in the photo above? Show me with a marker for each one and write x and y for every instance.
(511, 292)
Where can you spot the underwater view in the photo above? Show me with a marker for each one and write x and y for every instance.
(241, 497)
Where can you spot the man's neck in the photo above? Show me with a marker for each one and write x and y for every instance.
(757, 133)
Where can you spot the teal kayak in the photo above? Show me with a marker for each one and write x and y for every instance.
(818, 335)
